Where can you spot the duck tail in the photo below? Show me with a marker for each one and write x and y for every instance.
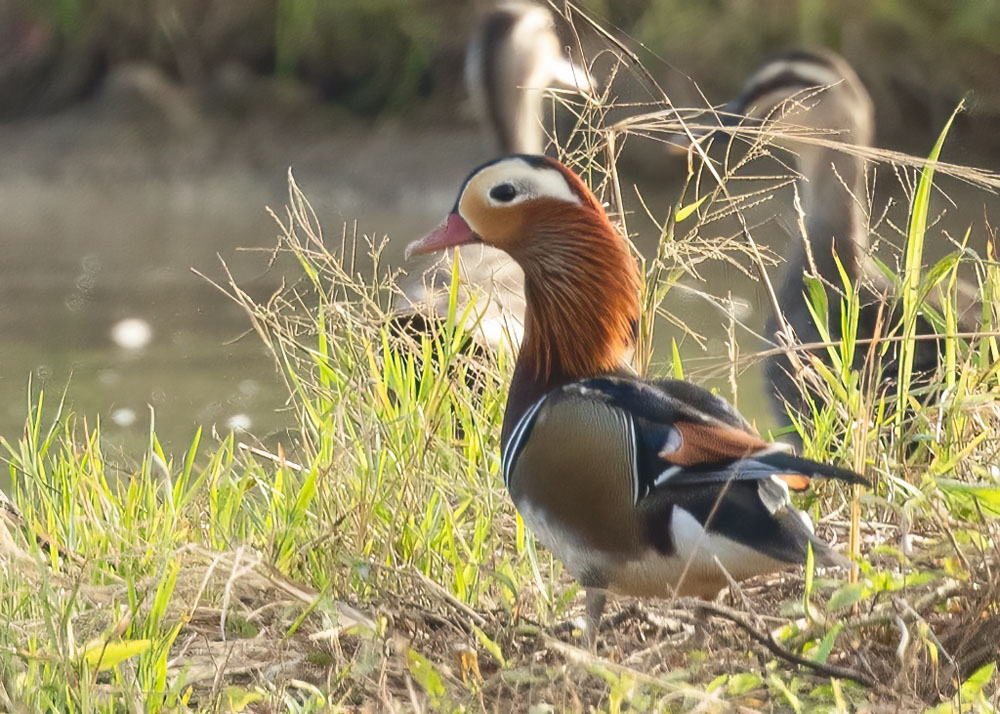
(784, 461)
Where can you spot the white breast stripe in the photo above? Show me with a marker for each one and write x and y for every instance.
(633, 446)
(507, 457)
(531, 182)
(699, 548)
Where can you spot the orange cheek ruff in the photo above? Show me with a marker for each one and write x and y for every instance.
(584, 285)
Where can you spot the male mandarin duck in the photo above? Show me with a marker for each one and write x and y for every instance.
(640, 487)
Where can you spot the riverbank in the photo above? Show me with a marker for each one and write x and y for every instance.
(373, 561)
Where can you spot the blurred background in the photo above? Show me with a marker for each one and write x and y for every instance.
(142, 138)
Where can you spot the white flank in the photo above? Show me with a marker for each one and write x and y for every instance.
(699, 548)
(694, 568)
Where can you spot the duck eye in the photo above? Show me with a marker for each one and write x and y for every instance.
(503, 192)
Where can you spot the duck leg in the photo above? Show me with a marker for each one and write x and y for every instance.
(596, 600)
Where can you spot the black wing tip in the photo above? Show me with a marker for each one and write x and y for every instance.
(821, 470)
(813, 469)
(849, 476)
(803, 535)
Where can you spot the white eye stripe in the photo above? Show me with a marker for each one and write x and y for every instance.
(530, 182)
(551, 183)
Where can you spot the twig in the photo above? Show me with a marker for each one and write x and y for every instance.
(276, 458)
(586, 658)
(447, 596)
(829, 670)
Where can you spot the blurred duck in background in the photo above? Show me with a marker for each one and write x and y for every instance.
(513, 57)
(821, 91)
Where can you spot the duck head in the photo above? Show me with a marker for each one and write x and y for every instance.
(811, 89)
(581, 282)
(816, 90)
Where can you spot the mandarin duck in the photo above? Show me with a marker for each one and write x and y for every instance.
(514, 55)
(821, 91)
(512, 58)
(640, 487)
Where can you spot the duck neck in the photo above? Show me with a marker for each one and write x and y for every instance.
(834, 197)
(582, 310)
(517, 121)
(525, 135)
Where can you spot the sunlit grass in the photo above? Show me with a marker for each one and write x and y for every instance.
(373, 557)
